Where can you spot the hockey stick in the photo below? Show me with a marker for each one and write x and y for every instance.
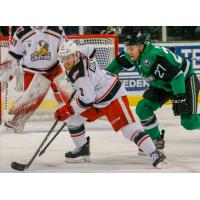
(44, 149)
(52, 139)
(22, 167)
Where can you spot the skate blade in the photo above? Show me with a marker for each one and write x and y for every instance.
(6, 129)
(141, 153)
(78, 160)
(10, 129)
(13, 131)
(163, 165)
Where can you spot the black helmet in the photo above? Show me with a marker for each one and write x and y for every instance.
(135, 39)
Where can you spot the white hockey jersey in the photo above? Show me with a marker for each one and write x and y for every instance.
(37, 48)
(95, 87)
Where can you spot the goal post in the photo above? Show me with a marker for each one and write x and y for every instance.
(4, 45)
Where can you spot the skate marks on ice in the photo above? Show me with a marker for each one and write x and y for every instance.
(110, 152)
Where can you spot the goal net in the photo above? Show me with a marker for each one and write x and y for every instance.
(106, 49)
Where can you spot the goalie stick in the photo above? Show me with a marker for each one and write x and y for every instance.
(22, 167)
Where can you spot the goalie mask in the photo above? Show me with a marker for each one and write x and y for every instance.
(68, 55)
(39, 28)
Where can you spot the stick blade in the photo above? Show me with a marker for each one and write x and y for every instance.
(41, 152)
(18, 166)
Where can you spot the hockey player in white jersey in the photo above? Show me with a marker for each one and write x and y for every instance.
(37, 49)
(99, 93)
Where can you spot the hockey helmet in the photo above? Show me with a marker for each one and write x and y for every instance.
(67, 48)
(135, 39)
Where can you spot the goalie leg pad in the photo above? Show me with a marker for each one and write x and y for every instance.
(28, 77)
(64, 87)
(56, 93)
(32, 97)
(51, 76)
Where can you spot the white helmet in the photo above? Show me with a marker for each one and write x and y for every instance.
(39, 28)
(67, 48)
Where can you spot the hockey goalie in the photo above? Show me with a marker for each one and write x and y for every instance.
(36, 47)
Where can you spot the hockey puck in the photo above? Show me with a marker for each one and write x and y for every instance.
(18, 166)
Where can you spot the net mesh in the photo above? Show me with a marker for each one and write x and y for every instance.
(105, 47)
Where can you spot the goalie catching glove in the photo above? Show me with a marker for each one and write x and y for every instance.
(8, 69)
(64, 112)
(179, 104)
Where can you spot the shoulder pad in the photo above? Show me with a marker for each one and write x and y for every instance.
(56, 29)
(23, 30)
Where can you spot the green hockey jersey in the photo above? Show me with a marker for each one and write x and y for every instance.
(160, 67)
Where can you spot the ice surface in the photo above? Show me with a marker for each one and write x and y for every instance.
(110, 152)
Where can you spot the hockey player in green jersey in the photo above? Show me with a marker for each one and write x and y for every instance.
(169, 77)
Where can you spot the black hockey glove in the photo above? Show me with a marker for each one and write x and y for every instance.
(179, 104)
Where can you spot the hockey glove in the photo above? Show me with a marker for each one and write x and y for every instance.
(179, 104)
(64, 113)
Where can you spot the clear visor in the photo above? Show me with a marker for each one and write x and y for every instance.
(129, 48)
(66, 58)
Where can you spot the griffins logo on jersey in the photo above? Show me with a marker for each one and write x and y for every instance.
(41, 51)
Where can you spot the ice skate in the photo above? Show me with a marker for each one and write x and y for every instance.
(78, 154)
(159, 143)
(159, 160)
(13, 127)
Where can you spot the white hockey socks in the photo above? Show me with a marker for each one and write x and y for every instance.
(133, 133)
(78, 135)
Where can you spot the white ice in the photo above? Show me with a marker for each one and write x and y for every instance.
(110, 152)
